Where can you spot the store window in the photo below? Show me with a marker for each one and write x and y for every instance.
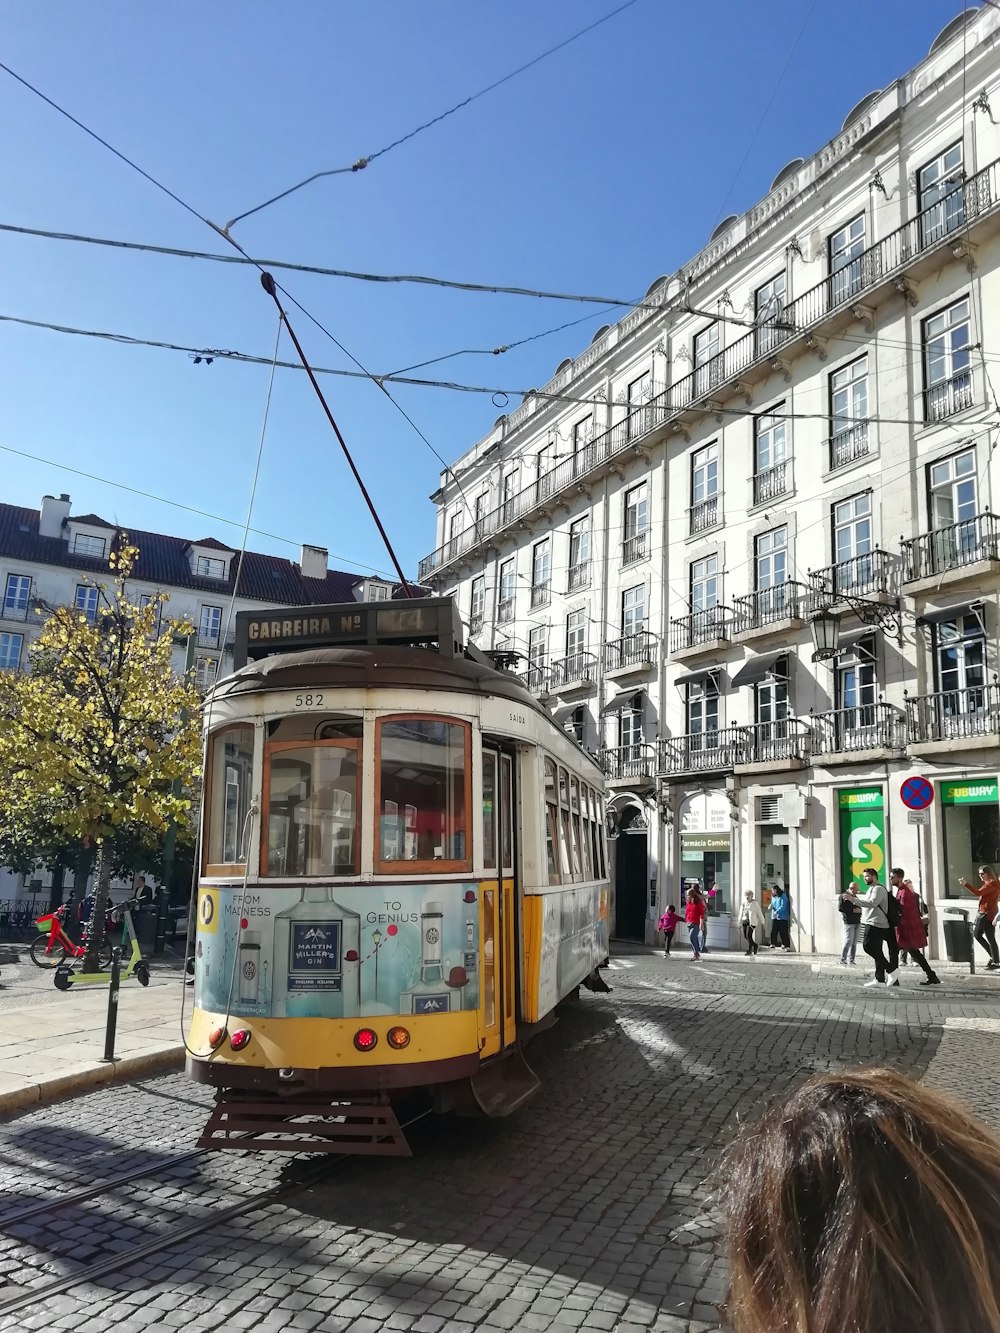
(970, 815)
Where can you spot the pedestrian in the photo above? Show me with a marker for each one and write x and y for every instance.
(781, 912)
(911, 934)
(874, 904)
(984, 929)
(751, 920)
(143, 892)
(668, 924)
(865, 1202)
(851, 913)
(694, 915)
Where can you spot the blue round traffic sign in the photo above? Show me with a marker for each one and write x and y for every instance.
(916, 793)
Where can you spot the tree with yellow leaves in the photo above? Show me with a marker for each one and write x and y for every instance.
(99, 742)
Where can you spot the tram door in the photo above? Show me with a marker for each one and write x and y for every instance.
(498, 982)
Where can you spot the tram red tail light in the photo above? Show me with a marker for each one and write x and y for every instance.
(398, 1038)
(216, 1037)
(365, 1039)
(240, 1039)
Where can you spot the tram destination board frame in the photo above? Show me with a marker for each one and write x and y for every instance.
(416, 620)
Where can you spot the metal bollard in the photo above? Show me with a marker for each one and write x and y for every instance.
(109, 1031)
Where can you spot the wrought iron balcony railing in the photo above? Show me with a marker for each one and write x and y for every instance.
(572, 670)
(15, 610)
(206, 639)
(772, 482)
(535, 679)
(704, 514)
(767, 605)
(633, 650)
(861, 576)
(959, 544)
(579, 576)
(877, 265)
(849, 444)
(864, 727)
(541, 594)
(628, 761)
(948, 396)
(954, 714)
(776, 742)
(699, 627)
(635, 548)
(703, 751)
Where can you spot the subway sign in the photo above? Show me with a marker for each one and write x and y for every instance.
(969, 792)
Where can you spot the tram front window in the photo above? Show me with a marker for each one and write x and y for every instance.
(423, 794)
(312, 802)
(231, 768)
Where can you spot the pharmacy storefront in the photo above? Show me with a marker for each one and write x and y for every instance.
(706, 858)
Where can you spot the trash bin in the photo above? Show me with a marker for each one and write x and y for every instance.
(958, 941)
(719, 931)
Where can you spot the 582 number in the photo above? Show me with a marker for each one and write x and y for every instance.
(308, 700)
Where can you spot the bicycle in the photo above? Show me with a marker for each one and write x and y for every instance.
(53, 946)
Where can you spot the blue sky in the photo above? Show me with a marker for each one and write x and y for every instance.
(597, 170)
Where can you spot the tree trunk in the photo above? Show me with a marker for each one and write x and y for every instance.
(56, 892)
(95, 926)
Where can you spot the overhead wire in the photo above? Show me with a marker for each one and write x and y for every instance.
(361, 163)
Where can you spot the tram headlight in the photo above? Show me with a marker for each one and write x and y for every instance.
(365, 1039)
(240, 1039)
(398, 1038)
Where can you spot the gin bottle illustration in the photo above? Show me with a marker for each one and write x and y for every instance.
(249, 966)
(430, 995)
(316, 969)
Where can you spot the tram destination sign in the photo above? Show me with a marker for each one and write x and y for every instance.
(421, 620)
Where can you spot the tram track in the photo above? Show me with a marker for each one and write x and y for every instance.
(215, 1217)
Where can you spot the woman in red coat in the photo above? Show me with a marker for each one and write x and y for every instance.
(911, 934)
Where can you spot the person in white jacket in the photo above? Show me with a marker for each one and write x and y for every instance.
(752, 920)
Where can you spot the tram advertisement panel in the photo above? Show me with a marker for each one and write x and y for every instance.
(338, 951)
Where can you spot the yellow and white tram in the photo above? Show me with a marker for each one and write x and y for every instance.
(404, 870)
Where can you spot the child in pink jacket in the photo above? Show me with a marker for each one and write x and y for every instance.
(668, 924)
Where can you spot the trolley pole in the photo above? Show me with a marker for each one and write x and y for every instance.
(109, 1031)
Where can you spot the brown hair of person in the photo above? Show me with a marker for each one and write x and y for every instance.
(864, 1203)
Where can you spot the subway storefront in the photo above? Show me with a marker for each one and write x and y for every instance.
(970, 821)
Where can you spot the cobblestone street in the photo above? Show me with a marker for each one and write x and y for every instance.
(590, 1209)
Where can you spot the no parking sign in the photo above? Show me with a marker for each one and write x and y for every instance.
(916, 793)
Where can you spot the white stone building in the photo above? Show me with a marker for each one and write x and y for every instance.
(838, 344)
(50, 557)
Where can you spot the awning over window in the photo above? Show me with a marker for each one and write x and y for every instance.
(849, 643)
(626, 701)
(708, 680)
(951, 613)
(752, 672)
(565, 713)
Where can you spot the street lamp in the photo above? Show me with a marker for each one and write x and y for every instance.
(825, 625)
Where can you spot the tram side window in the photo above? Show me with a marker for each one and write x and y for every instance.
(586, 811)
(598, 826)
(424, 771)
(506, 812)
(231, 768)
(551, 821)
(574, 810)
(489, 810)
(311, 792)
(565, 835)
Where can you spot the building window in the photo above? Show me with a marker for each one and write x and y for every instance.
(771, 574)
(146, 599)
(87, 600)
(941, 195)
(583, 435)
(205, 671)
(378, 592)
(707, 363)
(209, 626)
(579, 554)
(961, 664)
(857, 695)
(633, 611)
(852, 541)
(541, 573)
(576, 723)
(705, 487)
(849, 412)
(845, 249)
(454, 532)
(544, 479)
(638, 395)
(85, 544)
(768, 307)
(210, 567)
(770, 467)
(10, 651)
(947, 362)
(636, 523)
(505, 606)
(16, 596)
(477, 604)
(576, 643)
(508, 491)
(482, 500)
(702, 719)
(630, 731)
(771, 702)
(538, 656)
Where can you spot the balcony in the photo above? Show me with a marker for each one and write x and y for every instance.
(870, 575)
(703, 515)
(579, 577)
(578, 672)
(971, 716)
(505, 610)
(541, 594)
(716, 751)
(846, 735)
(768, 611)
(777, 746)
(535, 679)
(959, 553)
(700, 632)
(850, 444)
(15, 610)
(206, 639)
(635, 548)
(944, 399)
(772, 482)
(911, 250)
(629, 764)
(632, 654)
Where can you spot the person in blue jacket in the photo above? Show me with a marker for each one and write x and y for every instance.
(781, 913)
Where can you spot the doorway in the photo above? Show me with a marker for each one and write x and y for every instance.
(631, 891)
